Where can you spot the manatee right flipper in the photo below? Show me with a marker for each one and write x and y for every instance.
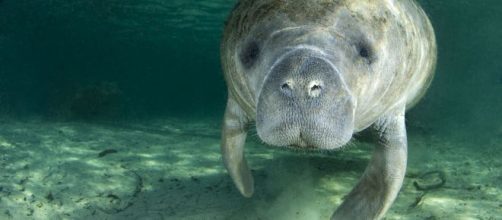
(232, 147)
(384, 175)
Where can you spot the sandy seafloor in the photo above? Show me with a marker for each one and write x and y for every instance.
(172, 169)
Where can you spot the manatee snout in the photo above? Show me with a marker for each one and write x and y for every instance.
(304, 102)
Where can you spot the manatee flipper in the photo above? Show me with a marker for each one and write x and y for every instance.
(383, 177)
(232, 147)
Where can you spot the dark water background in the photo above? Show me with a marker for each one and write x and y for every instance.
(157, 57)
(74, 59)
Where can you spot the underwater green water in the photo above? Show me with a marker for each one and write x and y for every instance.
(79, 60)
(162, 58)
(161, 55)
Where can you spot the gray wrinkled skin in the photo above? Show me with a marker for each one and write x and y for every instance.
(312, 73)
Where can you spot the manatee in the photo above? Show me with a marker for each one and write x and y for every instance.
(311, 74)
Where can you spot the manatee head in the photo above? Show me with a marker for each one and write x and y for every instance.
(312, 73)
(305, 73)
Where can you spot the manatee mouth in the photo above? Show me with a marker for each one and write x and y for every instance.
(303, 142)
(309, 131)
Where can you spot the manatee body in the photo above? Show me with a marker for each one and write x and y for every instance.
(311, 73)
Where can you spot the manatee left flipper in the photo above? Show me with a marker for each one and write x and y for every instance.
(232, 147)
(383, 177)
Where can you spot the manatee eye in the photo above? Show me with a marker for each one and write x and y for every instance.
(250, 54)
(365, 51)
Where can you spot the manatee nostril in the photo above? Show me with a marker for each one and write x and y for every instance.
(314, 89)
(286, 88)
